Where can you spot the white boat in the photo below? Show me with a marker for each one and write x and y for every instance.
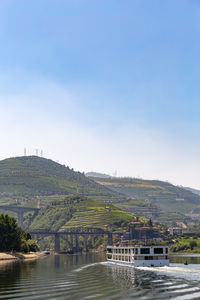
(139, 255)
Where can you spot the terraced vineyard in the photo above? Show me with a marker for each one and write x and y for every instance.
(79, 212)
(166, 196)
(98, 218)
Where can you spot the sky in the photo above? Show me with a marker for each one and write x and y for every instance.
(110, 86)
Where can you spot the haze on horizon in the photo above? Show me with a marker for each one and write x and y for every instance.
(103, 86)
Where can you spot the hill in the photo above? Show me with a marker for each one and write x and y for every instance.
(80, 212)
(161, 201)
(27, 180)
(165, 195)
(31, 176)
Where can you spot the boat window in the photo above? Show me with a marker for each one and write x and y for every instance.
(148, 257)
(109, 250)
(120, 257)
(109, 256)
(126, 251)
(122, 251)
(129, 259)
(136, 250)
(158, 250)
(129, 250)
(144, 250)
(119, 250)
(166, 250)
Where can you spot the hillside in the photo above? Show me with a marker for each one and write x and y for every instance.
(80, 212)
(33, 180)
(166, 196)
(30, 176)
(161, 201)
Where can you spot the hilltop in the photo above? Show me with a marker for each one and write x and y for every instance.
(30, 176)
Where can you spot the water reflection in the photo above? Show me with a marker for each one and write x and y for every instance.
(181, 259)
(12, 271)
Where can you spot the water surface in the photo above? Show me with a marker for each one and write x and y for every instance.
(90, 277)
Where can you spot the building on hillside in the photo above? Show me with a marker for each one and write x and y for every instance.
(194, 216)
(175, 230)
(40, 204)
(149, 209)
(182, 225)
(136, 233)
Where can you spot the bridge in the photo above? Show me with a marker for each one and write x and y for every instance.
(19, 210)
(72, 237)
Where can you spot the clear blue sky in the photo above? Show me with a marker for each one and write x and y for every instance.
(103, 85)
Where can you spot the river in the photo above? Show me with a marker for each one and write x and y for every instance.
(90, 277)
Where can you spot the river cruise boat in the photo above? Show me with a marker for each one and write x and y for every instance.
(139, 255)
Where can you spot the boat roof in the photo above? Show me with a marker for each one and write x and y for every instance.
(136, 245)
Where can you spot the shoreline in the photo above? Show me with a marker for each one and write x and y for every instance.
(8, 256)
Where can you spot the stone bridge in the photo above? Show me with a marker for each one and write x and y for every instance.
(72, 237)
(19, 210)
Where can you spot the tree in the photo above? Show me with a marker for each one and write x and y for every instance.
(193, 244)
(10, 234)
(13, 238)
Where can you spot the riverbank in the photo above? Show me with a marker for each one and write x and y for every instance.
(20, 256)
(185, 244)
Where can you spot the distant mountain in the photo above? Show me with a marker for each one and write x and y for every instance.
(95, 174)
(195, 191)
(35, 176)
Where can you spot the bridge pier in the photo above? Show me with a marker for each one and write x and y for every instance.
(76, 243)
(20, 216)
(110, 239)
(57, 243)
(71, 240)
(85, 242)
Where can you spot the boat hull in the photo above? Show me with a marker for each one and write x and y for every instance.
(142, 263)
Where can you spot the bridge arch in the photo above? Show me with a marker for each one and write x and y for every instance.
(19, 210)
